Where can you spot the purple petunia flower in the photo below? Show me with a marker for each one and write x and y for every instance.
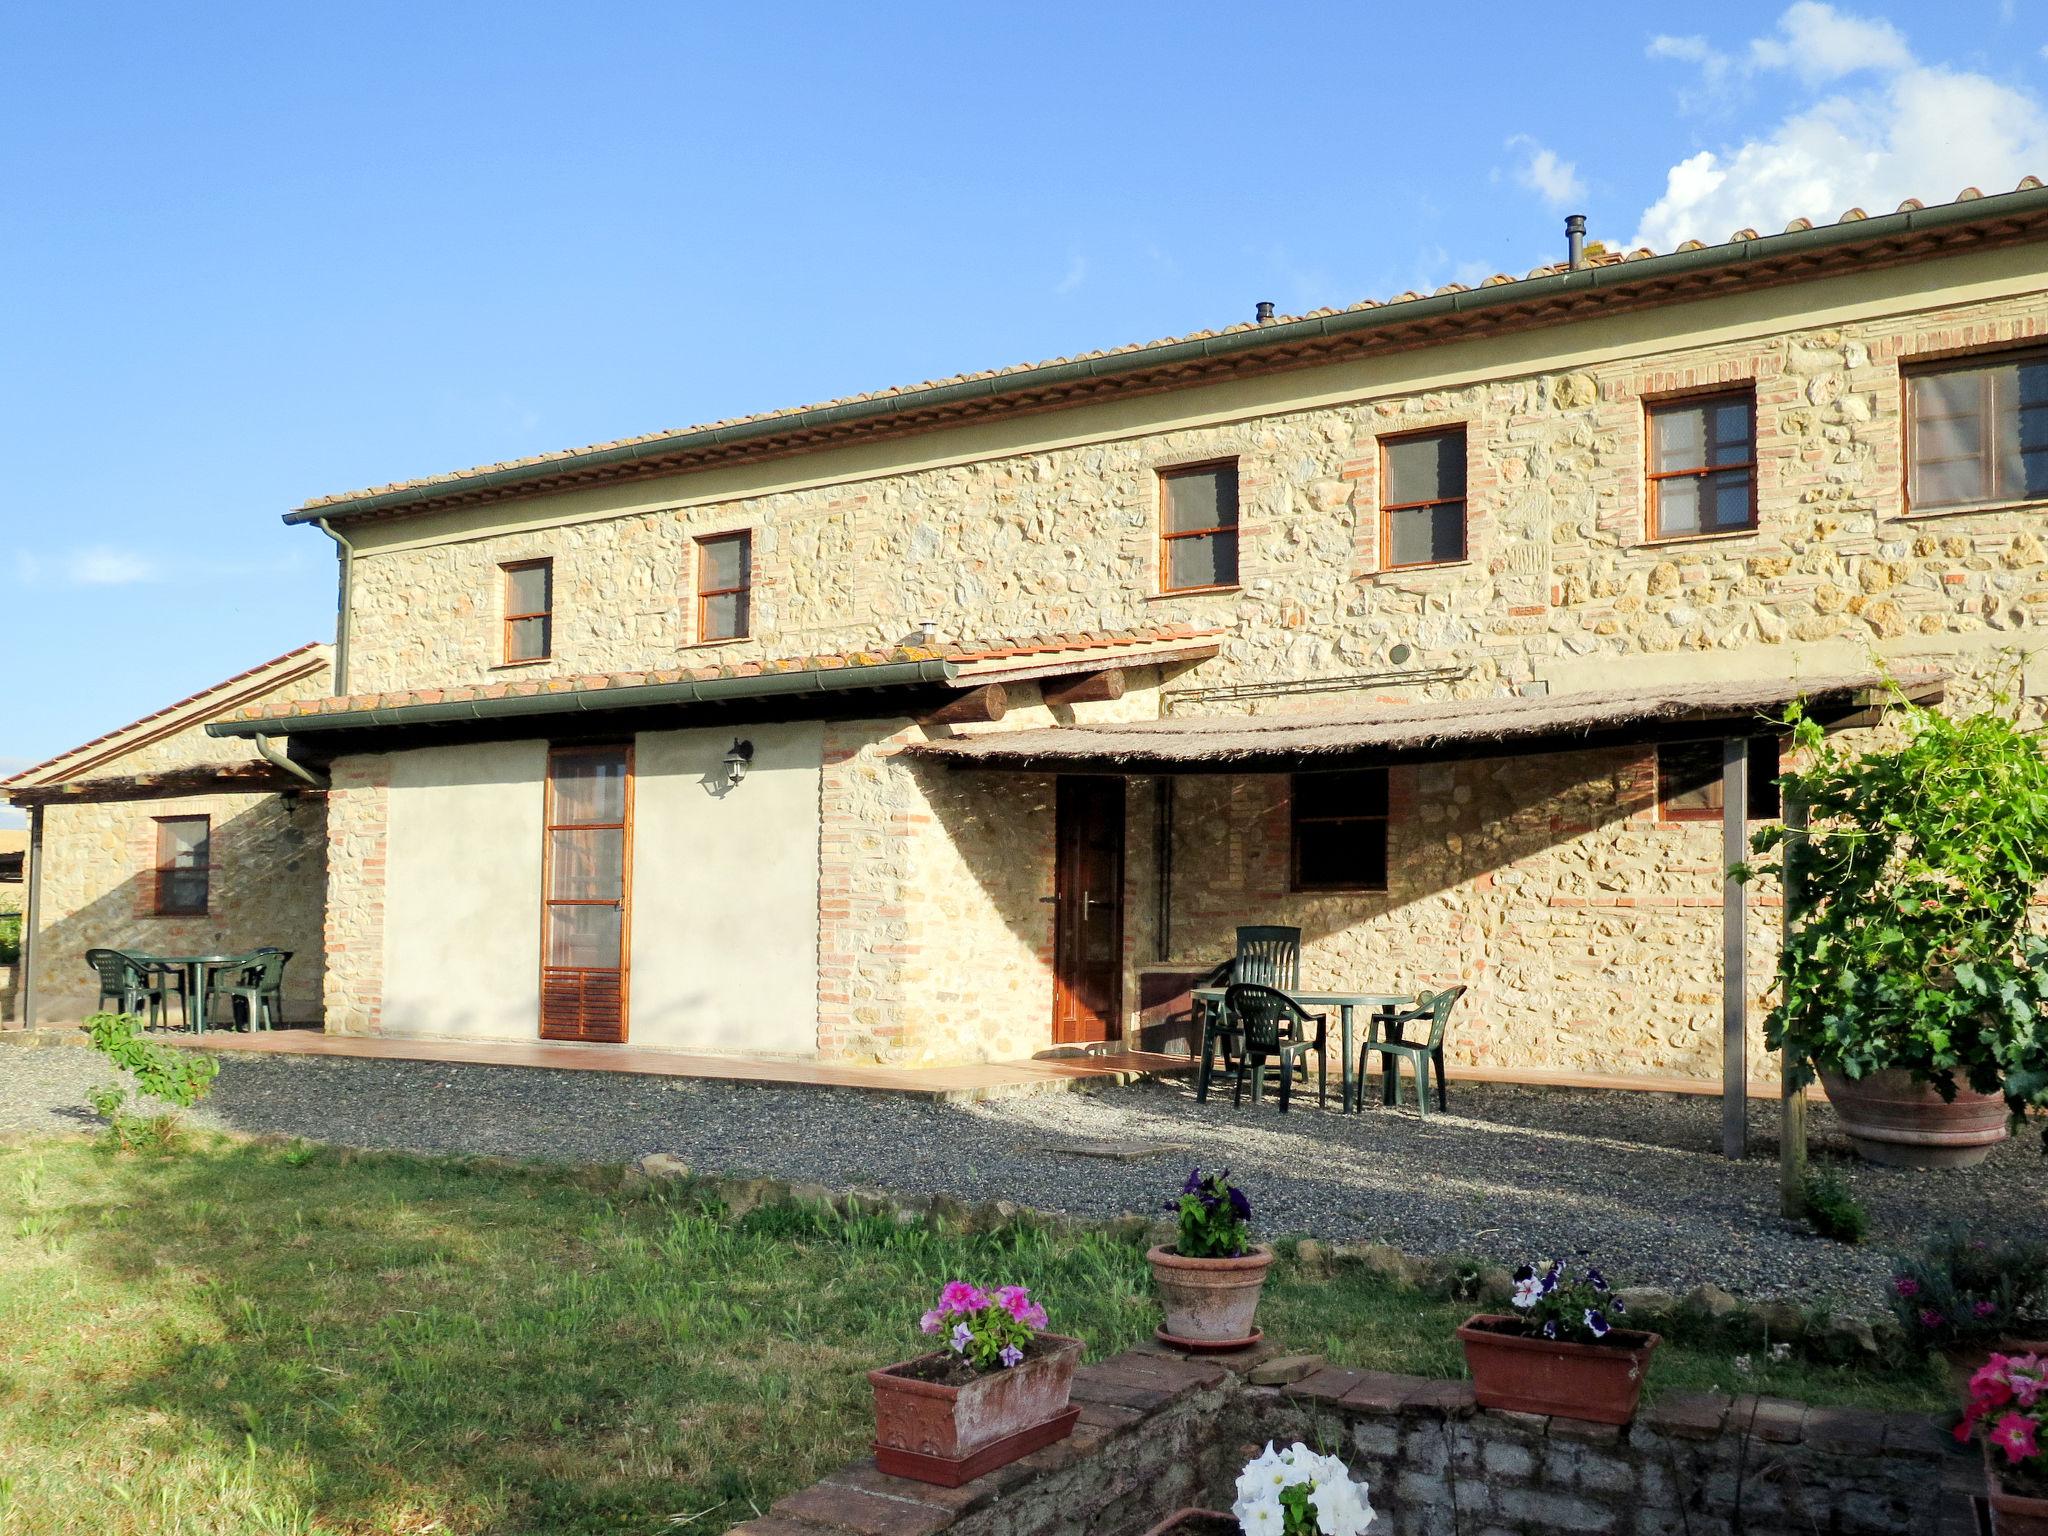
(932, 1321)
(1596, 1324)
(1929, 1318)
(1011, 1355)
(962, 1337)
(1596, 1280)
(1550, 1329)
(1906, 1285)
(1240, 1207)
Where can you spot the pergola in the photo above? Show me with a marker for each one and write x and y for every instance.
(1401, 734)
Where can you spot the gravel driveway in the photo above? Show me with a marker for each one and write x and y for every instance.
(1632, 1178)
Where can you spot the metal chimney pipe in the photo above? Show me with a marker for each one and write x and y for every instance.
(1575, 240)
(1263, 312)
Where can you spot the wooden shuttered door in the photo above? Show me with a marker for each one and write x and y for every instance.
(586, 893)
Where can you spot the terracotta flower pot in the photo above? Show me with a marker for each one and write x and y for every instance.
(1210, 1303)
(1903, 1124)
(949, 1435)
(2013, 1514)
(1600, 1382)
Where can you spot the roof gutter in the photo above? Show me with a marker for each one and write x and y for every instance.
(344, 581)
(283, 764)
(717, 690)
(1276, 336)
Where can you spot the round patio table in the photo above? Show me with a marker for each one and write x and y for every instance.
(197, 971)
(1346, 1003)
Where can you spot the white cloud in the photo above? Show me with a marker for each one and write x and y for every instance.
(1915, 130)
(1713, 63)
(1542, 172)
(102, 565)
(1076, 275)
(1819, 44)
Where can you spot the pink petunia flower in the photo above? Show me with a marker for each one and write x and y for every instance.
(1991, 1387)
(959, 1296)
(2027, 1390)
(1985, 1309)
(2014, 1434)
(932, 1321)
(1906, 1285)
(1929, 1318)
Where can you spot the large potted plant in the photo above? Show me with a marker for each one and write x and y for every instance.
(1912, 983)
(1559, 1352)
(997, 1391)
(2008, 1407)
(1210, 1278)
(1963, 1296)
(1294, 1492)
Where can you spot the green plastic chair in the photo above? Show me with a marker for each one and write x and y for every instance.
(257, 990)
(1268, 957)
(133, 985)
(1270, 1026)
(1419, 1054)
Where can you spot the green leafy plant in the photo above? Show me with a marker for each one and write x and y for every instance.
(1961, 1290)
(1833, 1210)
(175, 1078)
(1908, 942)
(1215, 1217)
(10, 937)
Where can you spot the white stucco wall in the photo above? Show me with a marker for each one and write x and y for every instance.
(725, 892)
(462, 902)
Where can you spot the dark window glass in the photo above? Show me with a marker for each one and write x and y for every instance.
(1339, 826)
(1979, 433)
(1689, 780)
(725, 581)
(1702, 466)
(183, 864)
(1199, 527)
(1424, 497)
(529, 610)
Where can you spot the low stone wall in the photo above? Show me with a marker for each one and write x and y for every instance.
(1160, 1433)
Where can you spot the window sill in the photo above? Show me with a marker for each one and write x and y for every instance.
(1337, 890)
(1930, 514)
(1162, 597)
(1417, 570)
(1722, 537)
(712, 645)
(535, 661)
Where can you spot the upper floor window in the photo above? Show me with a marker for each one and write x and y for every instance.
(1422, 480)
(183, 865)
(1703, 465)
(725, 584)
(1689, 780)
(529, 610)
(1198, 527)
(1339, 827)
(1977, 432)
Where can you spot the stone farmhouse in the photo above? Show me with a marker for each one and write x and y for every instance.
(967, 720)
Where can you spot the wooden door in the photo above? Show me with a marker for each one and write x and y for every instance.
(586, 893)
(1088, 917)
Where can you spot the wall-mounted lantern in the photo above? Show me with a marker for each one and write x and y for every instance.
(737, 760)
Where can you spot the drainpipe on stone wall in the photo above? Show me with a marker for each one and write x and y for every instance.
(346, 552)
(277, 759)
(25, 994)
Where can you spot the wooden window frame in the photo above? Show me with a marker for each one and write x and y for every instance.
(1957, 362)
(546, 615)
(1389, 508)
(704, 594)
(549, 827)
(1668, 815)
(1168, 536)
(1296, 822)
(1653, 479)
(160, 906)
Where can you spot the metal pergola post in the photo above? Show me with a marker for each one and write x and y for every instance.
(1734, 972)
(1791, 1101)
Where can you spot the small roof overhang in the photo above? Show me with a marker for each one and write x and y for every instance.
(1432, 732)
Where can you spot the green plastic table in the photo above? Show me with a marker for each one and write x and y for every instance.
(1346, 1004)
(197, 971)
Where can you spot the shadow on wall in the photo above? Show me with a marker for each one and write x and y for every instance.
(1588, 933)
(267, 886)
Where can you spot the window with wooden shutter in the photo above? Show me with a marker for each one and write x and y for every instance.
(586, 874)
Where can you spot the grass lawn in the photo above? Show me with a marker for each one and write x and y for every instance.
(258, 1338)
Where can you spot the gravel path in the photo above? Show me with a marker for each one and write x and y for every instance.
(1632, 1178)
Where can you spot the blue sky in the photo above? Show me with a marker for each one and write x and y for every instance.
(257, 253)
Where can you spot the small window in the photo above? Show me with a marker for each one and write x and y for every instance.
(183, 851)
(1422, 480)
(1979, 433)
(725, 580)
(1340, 830)
(529, 610)
(1703, 466)
(1689, 780)
(1199, 527)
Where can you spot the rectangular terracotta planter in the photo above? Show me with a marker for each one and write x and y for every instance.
(2012, 1514)
(1600, 1383)
(949, 1435)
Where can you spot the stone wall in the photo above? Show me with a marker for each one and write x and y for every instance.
(98, 890)
(1160, 1433)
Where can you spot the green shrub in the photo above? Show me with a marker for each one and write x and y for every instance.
(171, 1076)
(1961, 1289)
(1833, 1211)
(10, 937)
